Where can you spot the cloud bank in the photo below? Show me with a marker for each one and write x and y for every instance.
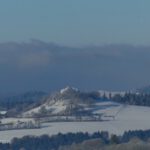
(38, 65)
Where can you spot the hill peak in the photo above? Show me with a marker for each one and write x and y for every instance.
(68, 89)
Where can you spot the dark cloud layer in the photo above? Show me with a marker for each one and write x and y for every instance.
(38, 65)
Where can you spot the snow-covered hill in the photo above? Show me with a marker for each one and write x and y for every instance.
(125, 118)
(114, 117)
(68, 101)
(72, 102)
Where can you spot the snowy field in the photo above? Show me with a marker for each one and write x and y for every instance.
(126, 118)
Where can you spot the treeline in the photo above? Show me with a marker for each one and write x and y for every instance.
(97, 144)
(133, 99)
(19, 102)
(143, 135)
(46, 142)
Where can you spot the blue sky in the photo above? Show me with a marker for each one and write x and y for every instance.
(76, 22)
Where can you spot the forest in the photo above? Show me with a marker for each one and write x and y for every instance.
(74, 140)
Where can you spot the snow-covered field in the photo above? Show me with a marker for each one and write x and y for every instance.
(125, 118)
